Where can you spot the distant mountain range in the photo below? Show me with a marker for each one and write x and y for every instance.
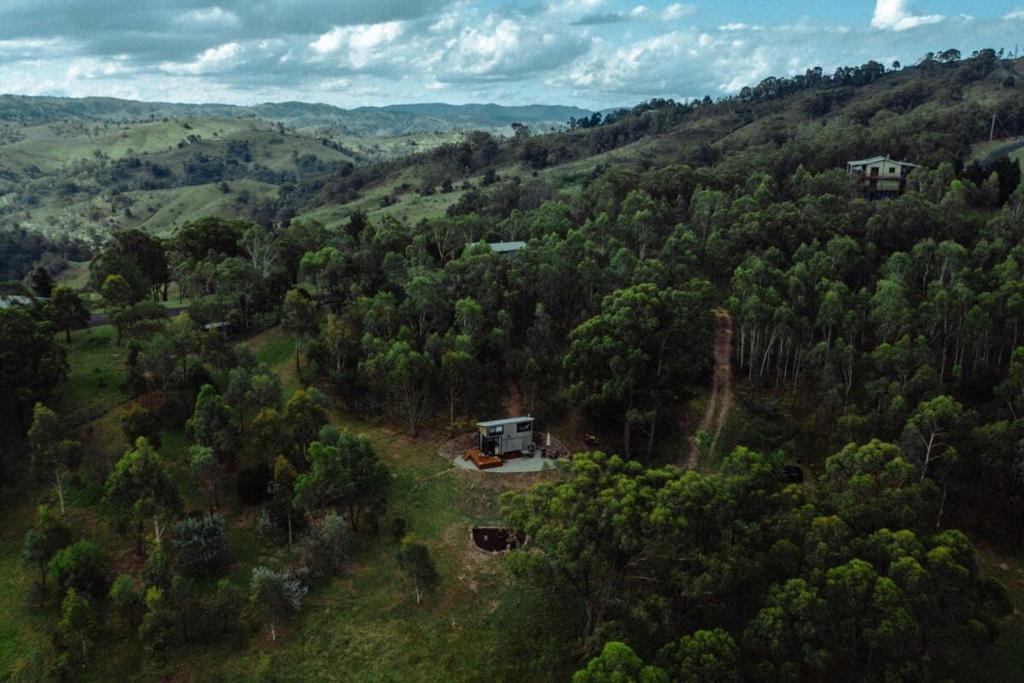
(390, 120)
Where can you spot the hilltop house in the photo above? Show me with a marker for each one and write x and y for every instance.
(881, 176)
(12, 300)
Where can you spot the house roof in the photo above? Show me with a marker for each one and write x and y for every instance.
(504, 421)
(506, 247)
(9, 300)
(875, 160)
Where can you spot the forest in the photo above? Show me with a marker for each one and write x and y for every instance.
(279, 384)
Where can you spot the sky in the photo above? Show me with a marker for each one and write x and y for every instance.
(590, 53)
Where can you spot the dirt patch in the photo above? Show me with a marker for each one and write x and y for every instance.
(720, 401)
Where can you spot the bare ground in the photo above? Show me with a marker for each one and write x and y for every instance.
(721, 397)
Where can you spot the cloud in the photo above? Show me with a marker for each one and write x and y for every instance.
(505, 48)
(677, 11)
(211, 59)
(595, 53)
(361, 44)
(895, 15)
(638, 13)
(598, 19)
(209, 16)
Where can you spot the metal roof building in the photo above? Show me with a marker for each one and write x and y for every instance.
(507, 247)
(507, 435)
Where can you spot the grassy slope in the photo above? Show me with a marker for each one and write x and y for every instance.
(367, 620)
(96, 371)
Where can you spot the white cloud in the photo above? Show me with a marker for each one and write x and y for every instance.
(92, 68)
(498, 47)
(362, 45)
(895, 15)
(209, 16)
(210, 60)
(677, 11)
(1015, 14)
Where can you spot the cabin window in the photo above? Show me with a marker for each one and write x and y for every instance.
(892, 169)
(524, 427)
(495, 431)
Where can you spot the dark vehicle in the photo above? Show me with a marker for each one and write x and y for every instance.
(793, 474)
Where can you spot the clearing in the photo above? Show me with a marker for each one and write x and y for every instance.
(720, 400)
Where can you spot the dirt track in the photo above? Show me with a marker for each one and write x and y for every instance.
(721, 388)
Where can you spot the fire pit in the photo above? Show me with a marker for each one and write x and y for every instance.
(493, 539)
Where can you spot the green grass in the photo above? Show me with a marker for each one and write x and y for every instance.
(1005, 660)
(22, 625)
(276, 349)
(368, 620)
(96, 373)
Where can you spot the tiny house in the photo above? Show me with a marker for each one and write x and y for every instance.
(508, 435)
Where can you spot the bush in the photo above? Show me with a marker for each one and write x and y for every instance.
(141, 421)
(156, 573)
(325, 550)
(200, 545)
(253, 484)
(82, 566)
(225, 609)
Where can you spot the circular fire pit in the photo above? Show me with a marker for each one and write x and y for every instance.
(492, 539)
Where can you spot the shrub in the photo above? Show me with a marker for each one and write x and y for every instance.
(200, 544)
(82, 566)
(141, 421)
(325, 550)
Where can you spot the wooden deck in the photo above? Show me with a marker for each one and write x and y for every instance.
(482, 461)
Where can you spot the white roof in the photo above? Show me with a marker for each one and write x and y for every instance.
(502, 247)
(504, 421)
(875, 160)
(8, 300)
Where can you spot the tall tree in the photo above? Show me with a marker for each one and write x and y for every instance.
(52, 454)
(643, 351)
(274, 594)
(301, 317)
(618, 663)
(42, 281)
(403, 374)
(139, 489)
(69, 311)
(415, 561)
(32, 366)
(344, 471)
(929, 429)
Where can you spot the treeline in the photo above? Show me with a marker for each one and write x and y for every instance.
(672, 575)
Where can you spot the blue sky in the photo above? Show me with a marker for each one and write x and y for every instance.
(592, 53)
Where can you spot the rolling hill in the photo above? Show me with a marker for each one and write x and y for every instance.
(377, 121)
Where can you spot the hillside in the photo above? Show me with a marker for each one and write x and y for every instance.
(928, 114)
(762, 423)
(365, 121)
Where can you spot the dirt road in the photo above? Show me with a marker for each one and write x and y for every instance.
(721, 388)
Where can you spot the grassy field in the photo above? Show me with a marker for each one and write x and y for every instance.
(96, 372)
(367, 619)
